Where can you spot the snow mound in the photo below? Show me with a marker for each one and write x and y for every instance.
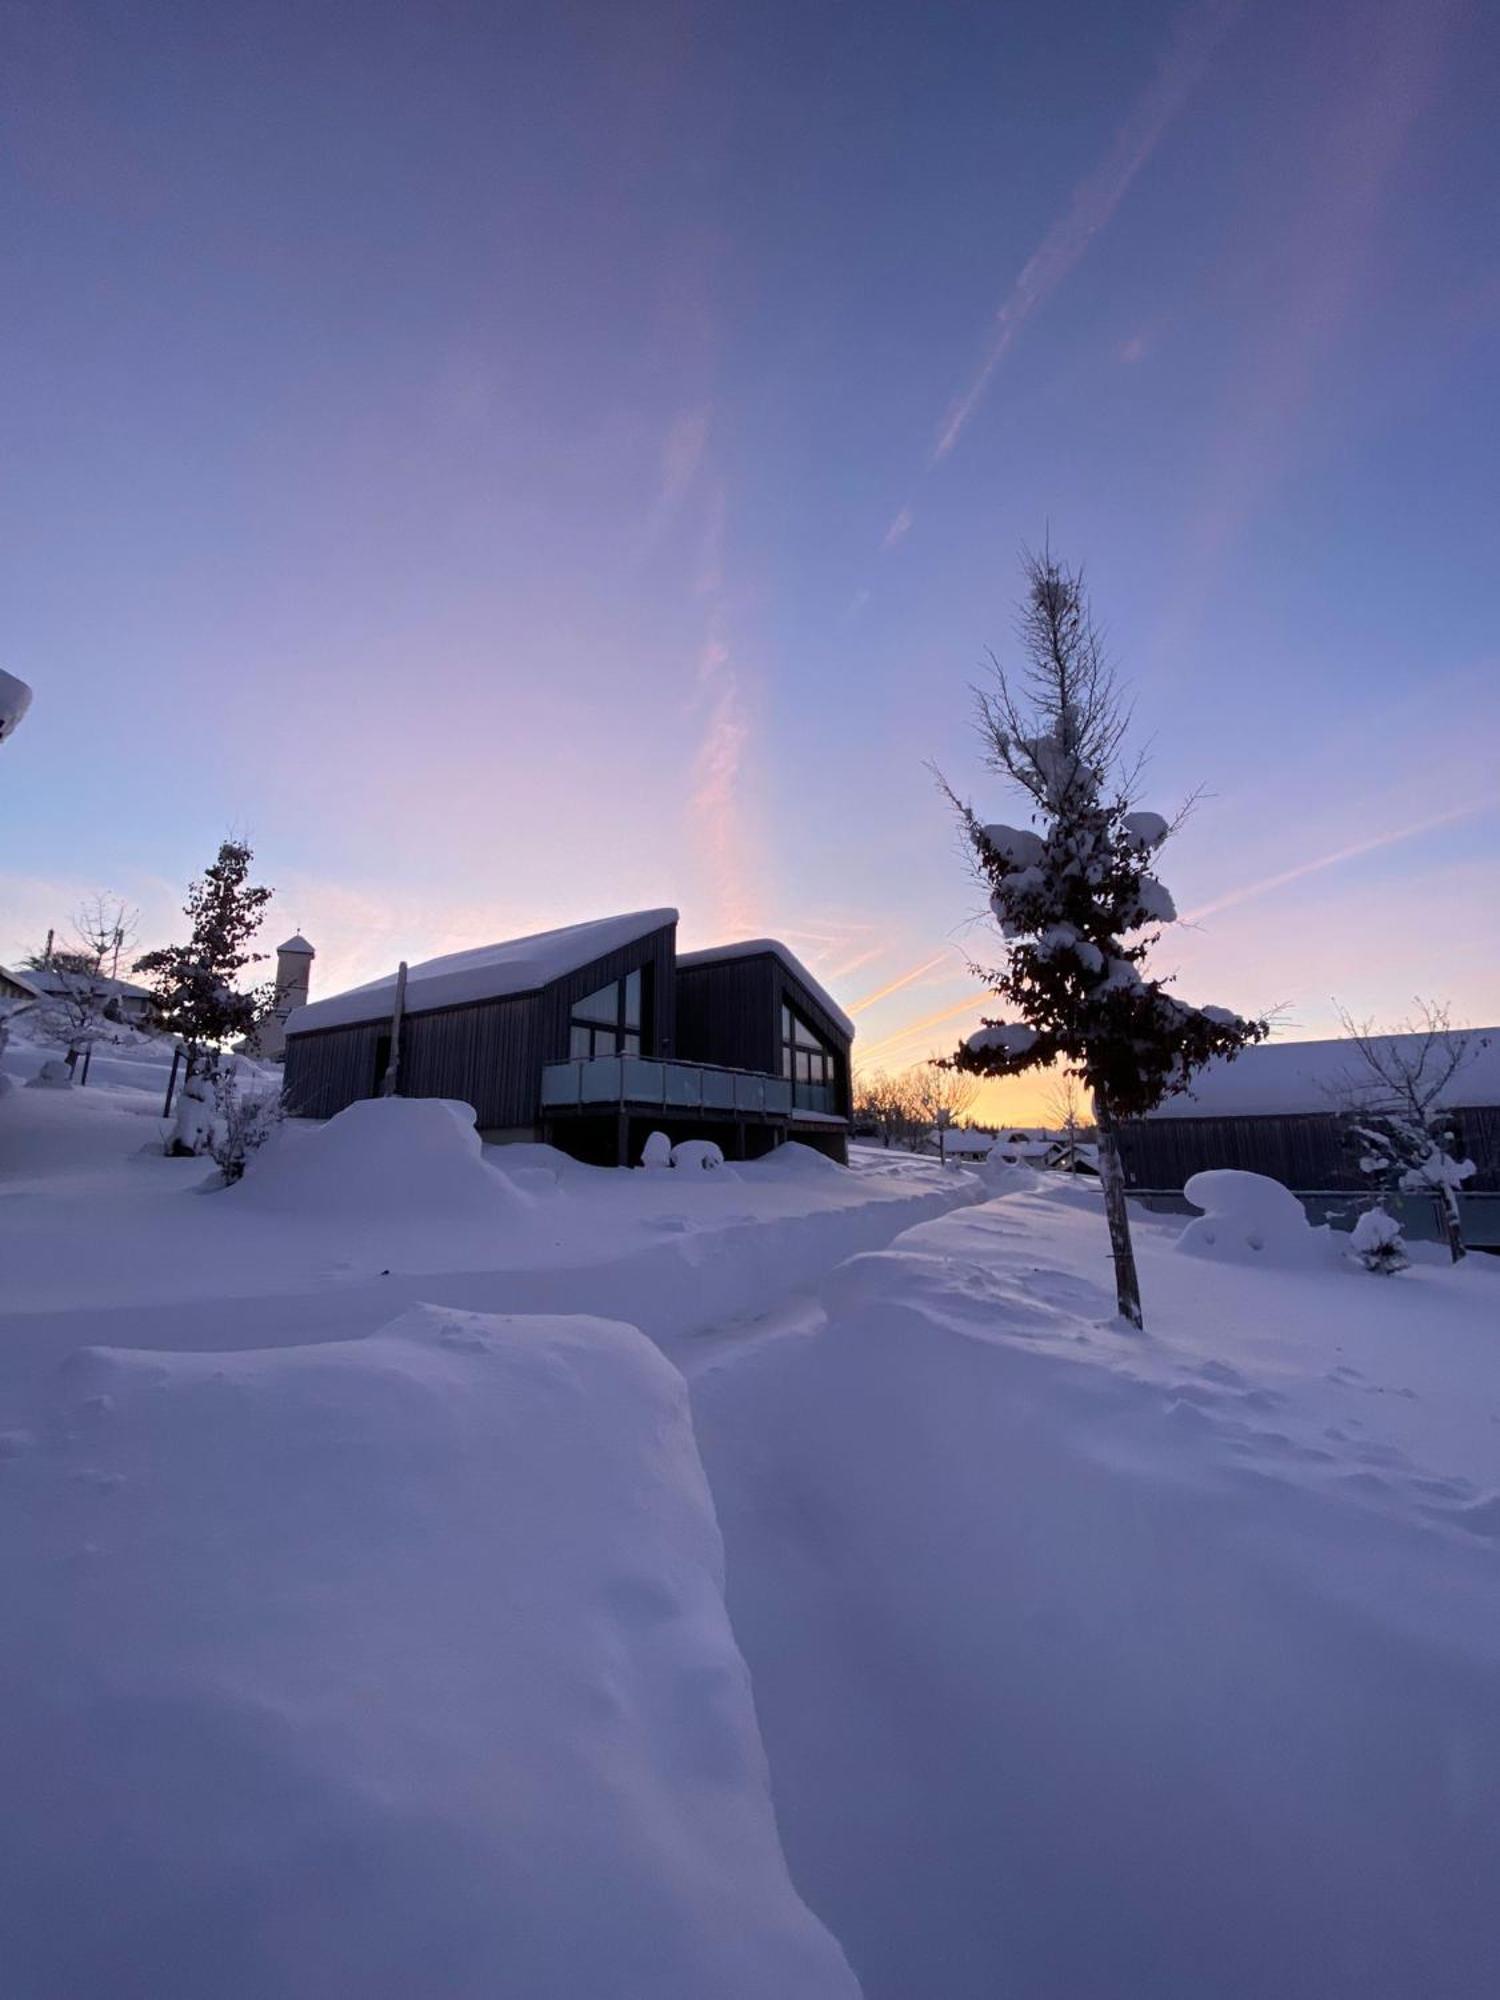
(697, 1155)
(418, 1681)
(657, 1151)
(383, 1159)
(797, 1162)
(1003, 1176)
(1249, 1218)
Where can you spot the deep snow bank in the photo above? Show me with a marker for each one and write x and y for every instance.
(382, 1159)
(1093, 1667)
(388, 1668)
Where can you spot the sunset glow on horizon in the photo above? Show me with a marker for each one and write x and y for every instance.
(516, 467)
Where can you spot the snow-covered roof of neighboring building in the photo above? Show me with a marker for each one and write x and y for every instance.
(757, 948)
(1281, 1079)
(50, 979)
(25, 980)
(490, 972)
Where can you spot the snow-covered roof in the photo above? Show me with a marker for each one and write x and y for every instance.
(297, 942)
(25, 980)
(757, 948)
(48, 979)
(490, 972)
(1281, 1079)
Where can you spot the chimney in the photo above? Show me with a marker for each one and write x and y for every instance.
(293, 977)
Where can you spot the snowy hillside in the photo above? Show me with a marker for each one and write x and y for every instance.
(448, 1570)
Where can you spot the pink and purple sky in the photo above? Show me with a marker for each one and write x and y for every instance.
(522, 463)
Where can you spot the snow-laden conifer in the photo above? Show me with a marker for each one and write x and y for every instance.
(1076, 897)
(196, 995)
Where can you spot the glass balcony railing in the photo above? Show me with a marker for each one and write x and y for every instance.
(595, 1083)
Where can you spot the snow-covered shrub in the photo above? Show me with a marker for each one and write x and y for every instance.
(242, 1123)
(191, 1127)
(694, 1155)
(1076, 901)
(1377, 1242)
(657, 1151)
(54, 1074)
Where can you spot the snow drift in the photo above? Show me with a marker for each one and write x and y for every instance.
(396, 1159)
(385, 1667)
(1096, 1667)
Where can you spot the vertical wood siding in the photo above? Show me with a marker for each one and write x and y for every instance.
(729, 1011)
(1301, 1151)
(488, 1053)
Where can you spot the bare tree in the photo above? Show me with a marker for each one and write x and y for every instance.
(1066, 1114)
(1076, 900)
(1395, 1107)
(941, 1096)
(105, 927)
(71, 1011)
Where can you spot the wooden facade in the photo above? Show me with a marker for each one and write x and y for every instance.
(1304, 1151)
(491, 1053)
(488, 1053)
(729, 1012)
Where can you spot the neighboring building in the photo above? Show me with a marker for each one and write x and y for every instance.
(117, 999)
(293, 982)
(18, 989)
(594, 1036)
(1273, 1110)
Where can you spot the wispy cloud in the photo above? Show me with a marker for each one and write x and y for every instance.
(899, 529)
(1251, 890)
(715, 811)
(1095, 199)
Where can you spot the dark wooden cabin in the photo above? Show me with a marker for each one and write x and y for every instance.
(592, 1037)
(1273, 1111)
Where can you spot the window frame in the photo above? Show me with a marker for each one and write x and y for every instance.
(625, 1032)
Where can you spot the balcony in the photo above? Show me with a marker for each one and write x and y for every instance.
(637, 1083)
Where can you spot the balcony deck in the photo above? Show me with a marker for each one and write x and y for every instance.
(642, 1083)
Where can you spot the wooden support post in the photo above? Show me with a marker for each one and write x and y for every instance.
(622, 1138)
(166, 1109)
(391, 1081)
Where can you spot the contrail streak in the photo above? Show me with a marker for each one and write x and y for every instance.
(1252, 889)
(1094, 202)
(915, 1028)
(895, 986)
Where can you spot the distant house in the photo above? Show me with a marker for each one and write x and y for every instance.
(117, 999)
(1273, 1110)
(17, 989)
(592, 1037)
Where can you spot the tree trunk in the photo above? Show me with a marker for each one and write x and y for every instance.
(1452, 1233)
(1112, 1177)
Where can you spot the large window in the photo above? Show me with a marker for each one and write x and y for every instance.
(811, 1067)
(613, 1021)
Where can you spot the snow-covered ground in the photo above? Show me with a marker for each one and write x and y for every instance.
(370, 1627)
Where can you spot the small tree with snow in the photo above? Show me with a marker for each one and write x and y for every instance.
(196, 996)
(243, 1121)
(1394, 1106)
(1075, 897)
(1377, 1242)
(71, 1011)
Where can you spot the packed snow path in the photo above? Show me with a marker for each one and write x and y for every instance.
(1092, 1664)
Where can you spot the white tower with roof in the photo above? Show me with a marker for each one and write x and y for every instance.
(293, 979)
